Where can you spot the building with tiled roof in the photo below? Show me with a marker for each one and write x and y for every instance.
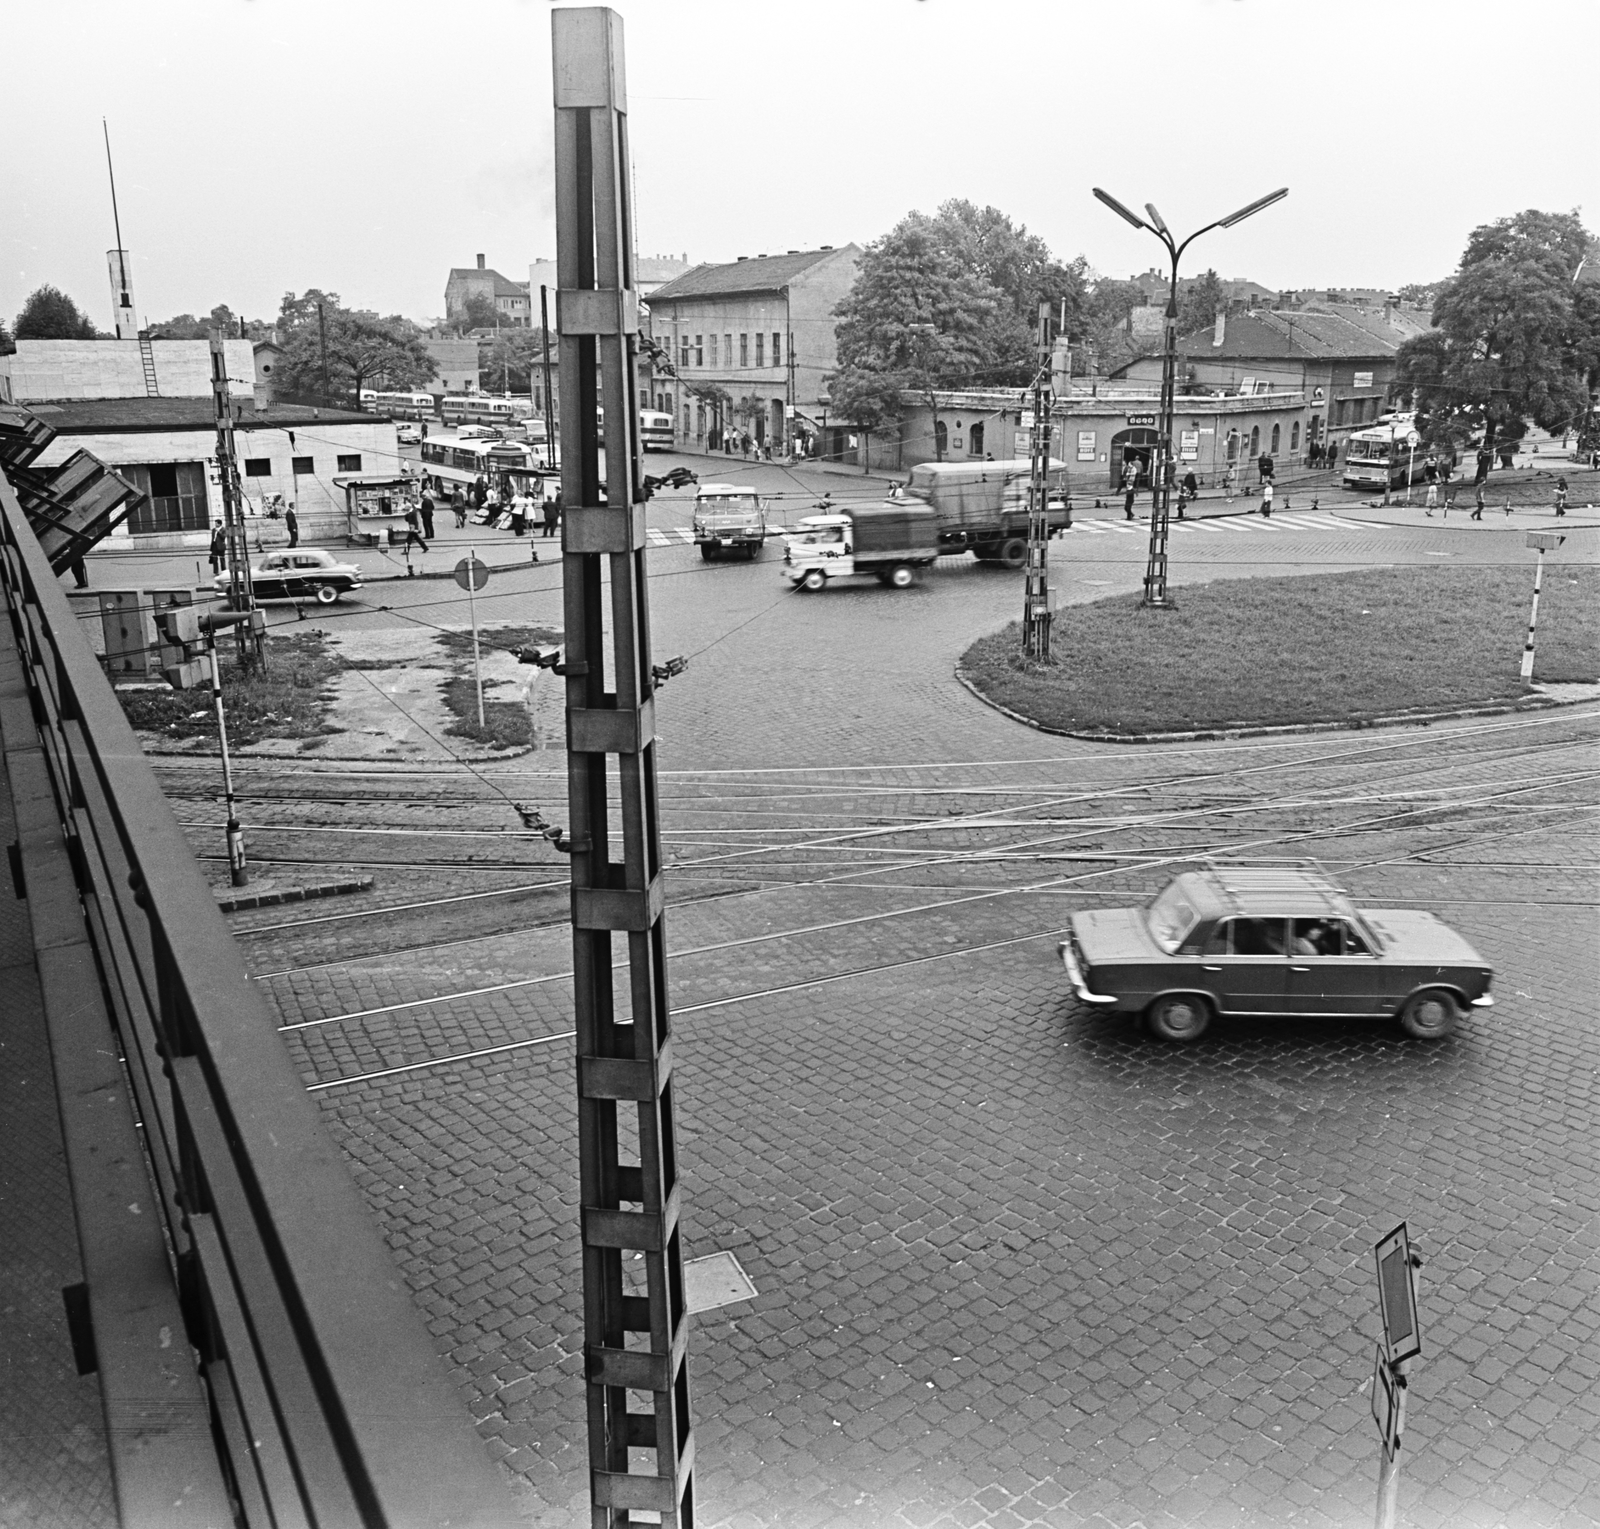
(748, 344)
(510, 298)
(1340, 362)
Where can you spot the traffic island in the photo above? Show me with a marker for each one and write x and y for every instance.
(1328, 651)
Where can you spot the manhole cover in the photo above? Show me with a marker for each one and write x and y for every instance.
(716, 1280)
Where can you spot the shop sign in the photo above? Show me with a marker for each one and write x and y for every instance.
(1141, 419)
(1188, 445)
(1086, 445)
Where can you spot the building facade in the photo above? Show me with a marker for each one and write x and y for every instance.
(747, 345)
(63, 369)
(510, 298)
(457, 361)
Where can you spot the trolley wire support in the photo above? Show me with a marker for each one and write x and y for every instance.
(1036, 598)
(241, 593)
(632, 1342)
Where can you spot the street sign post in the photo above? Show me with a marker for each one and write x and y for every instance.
(1386, 1403)
(1397, 1296)
(472, 575)
(1412, 440)
(1402, 1340)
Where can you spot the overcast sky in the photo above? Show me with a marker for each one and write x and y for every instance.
(366, 146)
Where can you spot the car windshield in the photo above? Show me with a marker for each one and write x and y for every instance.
(1170, 917)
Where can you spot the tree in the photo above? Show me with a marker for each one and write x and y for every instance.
(8, 346)
(510, 359)
(363, 350)
(1106, 325)
(49, 314)
(1514, 339)
(918, 318)
(187, 327)
(1199, 306)
(1422, 294)
(479, 312)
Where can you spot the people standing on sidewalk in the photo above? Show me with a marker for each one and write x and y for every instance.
(1477, 507)
(427, 515)
(1264, 465)
(519, 513)
(219, 547)
(1130, 487)
(291, 523)
(413, 529)
(1188, 491)
(1333, 455)
(1266, 497)
(1230, 481)
(1561, 496)
(552, 514)
(1430, 475)
(458, 503)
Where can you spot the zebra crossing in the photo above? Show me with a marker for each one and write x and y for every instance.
(1217, 525)
(659, 538)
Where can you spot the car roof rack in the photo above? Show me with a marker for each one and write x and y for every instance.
(1272, 875)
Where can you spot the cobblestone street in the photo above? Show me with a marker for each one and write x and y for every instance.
(1016, 1263)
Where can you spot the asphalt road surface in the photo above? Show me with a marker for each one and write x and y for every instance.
(1015, 1263)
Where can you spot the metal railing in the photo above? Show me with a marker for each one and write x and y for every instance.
(259, 1356)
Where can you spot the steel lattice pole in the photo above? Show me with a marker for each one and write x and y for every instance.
(1155, 573)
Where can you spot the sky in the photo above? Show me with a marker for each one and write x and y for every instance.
(366, 146)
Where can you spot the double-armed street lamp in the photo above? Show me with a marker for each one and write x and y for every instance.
(1155, 576)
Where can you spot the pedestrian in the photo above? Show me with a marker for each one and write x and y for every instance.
(1130, 487)
(1266, 497)
(1477, 508)
(292, 524)
(427, 515)
(1188, 491)
(219, 547)
(1230, 481)
(413, 529)
(1265, 466)
(519, 513)
(480, 491)
(1561, 496)
(552, 513)
(1446, 473)
(1485, 462)
(1316, 454)
(1333, 455)
(458, 503)
(80, 574)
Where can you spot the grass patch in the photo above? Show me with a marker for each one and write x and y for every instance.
(1347, 647)
(289, 700)
(497, 638)
(506, 724)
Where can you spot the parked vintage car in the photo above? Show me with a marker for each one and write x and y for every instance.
(299, 573)
(1271, 939)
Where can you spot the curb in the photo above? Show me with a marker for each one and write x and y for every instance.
(291, 895)
(1221, 734)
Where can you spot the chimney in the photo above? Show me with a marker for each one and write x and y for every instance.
(1388, 307)
(124, 315)
(480, 262)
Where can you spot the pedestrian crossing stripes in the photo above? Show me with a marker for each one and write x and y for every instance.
(659, 538)
(1220, 525)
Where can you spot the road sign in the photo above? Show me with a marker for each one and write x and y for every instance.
(1413, 440)
(1385, 1402)
(471, 573)
(1544, 541)
(1397, 1296)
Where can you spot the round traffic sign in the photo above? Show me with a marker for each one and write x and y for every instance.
(472, 573)
(1412, 438)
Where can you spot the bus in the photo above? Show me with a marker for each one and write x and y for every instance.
(1379, 457)
(484, 409)
(655, 430)
(451, 462)
(400, 405)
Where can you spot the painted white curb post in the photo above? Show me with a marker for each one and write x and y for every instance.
(472, 575)
(1542, 542)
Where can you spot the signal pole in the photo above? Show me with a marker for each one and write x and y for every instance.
(241, 595)
(1036, 600)
(628, 1178)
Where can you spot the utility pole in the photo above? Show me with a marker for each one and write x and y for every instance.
(1036, 600)
(549, 396)
(241, 596)
(322, 340)
(631, 1195)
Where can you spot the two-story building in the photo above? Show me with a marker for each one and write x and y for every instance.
(749, 344)
(1341, 362)
(510, 298)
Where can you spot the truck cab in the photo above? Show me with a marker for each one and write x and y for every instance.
(729, 517)
(889, 541)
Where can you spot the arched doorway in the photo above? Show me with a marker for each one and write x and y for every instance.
(941, 438)
(1255, 441)
(975, 440)
(776, 428)
(1138, 446)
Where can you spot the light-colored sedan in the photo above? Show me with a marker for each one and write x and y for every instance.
(298, 573)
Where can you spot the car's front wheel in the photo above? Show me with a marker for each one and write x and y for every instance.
(1178, 1017)
(1429, 1015)
(327, 594)
(814, 580)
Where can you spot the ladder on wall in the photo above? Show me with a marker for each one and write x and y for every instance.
(148, 356)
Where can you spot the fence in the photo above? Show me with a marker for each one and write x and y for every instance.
(259, 1357)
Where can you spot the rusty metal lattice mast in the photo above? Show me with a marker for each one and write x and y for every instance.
(624, 1050)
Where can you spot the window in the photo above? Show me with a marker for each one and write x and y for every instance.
(941, 437)
(303, 466)
(761, 343)
(683, 353)
(699, 352)
(258, 467)
(1246, 937)
(777, 349)
(727, 349)
(686, 421)
(175, 497)
(975, 439)
(1294, 436)
(350, 463)
(713, 350)
(1255, 440)
(744, 350)
(1277, 438)
(1325, 937)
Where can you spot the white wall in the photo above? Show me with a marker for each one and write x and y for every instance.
(114, 369)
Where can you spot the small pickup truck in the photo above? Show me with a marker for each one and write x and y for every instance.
(890, 541)
(729, 518)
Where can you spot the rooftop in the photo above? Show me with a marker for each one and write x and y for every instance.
(758, 273)
(503, 285)
(110, 416)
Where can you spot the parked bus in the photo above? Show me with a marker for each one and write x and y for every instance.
(1378, 457)
(655, 430)
(484, 409)
(401, 405)
(450, 462)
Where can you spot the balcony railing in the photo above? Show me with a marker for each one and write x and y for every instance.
(259, 1357)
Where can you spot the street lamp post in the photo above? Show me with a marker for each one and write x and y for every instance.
(1155, 577)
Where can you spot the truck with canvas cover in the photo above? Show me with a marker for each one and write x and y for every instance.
(729, 518)
(984, 505)
(889, 541)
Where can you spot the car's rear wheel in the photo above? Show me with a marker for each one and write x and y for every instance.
(816, 579)
(1430, 1015)
(1178, 1017)
(1014, 552)
(327, 594)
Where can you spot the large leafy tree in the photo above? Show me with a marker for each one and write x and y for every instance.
(1515, 339)
(511, 358)
(7, 344)
(1199, 306)
(363, 350)
(1105, 325)
(49, 314)
(185, 326)
(918, 318)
